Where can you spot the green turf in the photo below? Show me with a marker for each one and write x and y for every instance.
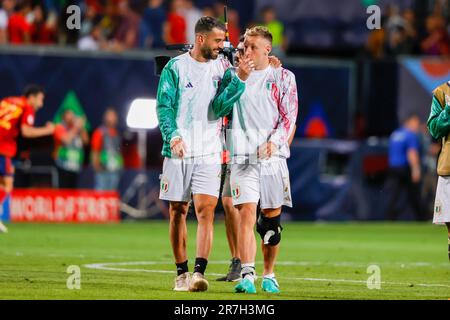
(317, 261)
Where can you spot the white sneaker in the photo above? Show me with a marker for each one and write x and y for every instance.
(3, 228)
(182, 282)
(198, 283)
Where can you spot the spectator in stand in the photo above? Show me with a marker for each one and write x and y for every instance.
(93, 41)
(191, 15)
(43, 29)
(276, 28)
(153, 21)
(6, 9)
(393, 27)
(409, 17)
(399, 42)
(19, 29)
(90, 17)
(3, 27)
(70, 137)
(126, 34)
(375, 46)
(401, 32)
(175, 26)
(393, 18)
(437, 41)
(110, 20)
(106, 153)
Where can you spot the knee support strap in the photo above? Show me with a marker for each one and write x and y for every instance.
(269, 229)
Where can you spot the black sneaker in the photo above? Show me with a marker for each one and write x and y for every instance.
(234, 271)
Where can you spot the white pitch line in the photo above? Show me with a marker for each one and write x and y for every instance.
(365, 281)
(108, 267)
(313, 263)
(281, 263)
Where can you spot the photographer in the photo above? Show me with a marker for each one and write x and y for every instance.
(70, 137)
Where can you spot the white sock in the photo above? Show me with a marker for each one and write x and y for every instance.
(248, 269)
(270, 275)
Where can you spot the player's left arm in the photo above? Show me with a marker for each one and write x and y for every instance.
(230, 90)
(291, 137)
(288, 108)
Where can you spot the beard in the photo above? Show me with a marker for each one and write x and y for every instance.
(209, 53)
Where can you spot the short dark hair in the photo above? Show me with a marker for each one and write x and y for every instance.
(206, 24)
(32, 90)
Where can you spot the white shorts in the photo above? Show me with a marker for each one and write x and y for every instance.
(226, 188)
(442, 202)
(180, 179)
(267, 182)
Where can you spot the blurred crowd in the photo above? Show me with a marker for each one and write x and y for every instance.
(117, 24)
(140, 24)
(404, 34)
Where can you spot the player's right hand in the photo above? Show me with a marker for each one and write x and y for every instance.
(178, 147)
(246, 66)
(266, 150)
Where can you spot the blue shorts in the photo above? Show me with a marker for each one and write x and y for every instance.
(6, 167)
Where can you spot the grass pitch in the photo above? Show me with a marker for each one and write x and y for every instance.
(134, 261)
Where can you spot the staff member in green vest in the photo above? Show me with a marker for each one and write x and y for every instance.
(276, 28)
(70, 138)
(439, 127)
(106, 152)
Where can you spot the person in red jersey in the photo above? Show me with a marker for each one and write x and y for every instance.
(17, 116)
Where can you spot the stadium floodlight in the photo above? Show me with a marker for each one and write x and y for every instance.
(142, 114)
(140, 118)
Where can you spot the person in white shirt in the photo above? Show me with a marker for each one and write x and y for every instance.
(3, 26)
(192, 145)
(6, 8)
(264, 109)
